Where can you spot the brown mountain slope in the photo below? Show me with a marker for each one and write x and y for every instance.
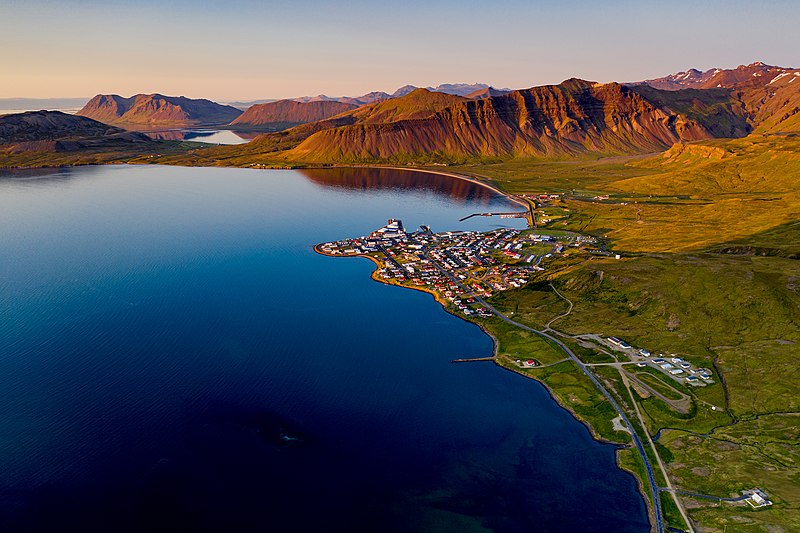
(53, 131)
(775, 107)
(287, 113)
(719, 111)
(155, 110)
(486, 93)
(457, 89)
(418, 104)
(571, 118)
(369, 98)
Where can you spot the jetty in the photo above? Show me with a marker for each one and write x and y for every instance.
(472, 359)
(513, 214)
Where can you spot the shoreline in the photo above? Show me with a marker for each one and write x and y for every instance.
(640, 486)
(452, 175)
(619, 446)
(511, 198)
(463, 177)
(495, 344)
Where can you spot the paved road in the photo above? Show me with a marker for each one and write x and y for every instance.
(707, 496)
(682, 405)
(617, 364)
(654, 489)
(624, 375)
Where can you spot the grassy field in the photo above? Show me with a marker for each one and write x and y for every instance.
(534, 175)
(733, 315)
(709, 236)
(514, 343)
(658, 384)
(691, 197)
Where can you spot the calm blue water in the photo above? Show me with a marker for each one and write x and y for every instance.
(174, 356)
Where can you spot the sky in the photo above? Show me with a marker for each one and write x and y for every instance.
(229, 50)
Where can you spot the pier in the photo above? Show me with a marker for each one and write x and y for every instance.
(514, 214)
(472, 359)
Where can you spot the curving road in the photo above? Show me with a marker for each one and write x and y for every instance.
(706, 496)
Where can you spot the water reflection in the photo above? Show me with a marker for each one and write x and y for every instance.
(203, 136)
(364, 179)
(43, 177)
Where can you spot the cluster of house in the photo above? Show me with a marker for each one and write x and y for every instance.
(475, 258)
(449, 262)
(393, 230)
(503, 277)
(423, 273)
(674, 366)
(544, 197)
(392, 234)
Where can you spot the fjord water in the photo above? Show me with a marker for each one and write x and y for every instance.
(174, 356)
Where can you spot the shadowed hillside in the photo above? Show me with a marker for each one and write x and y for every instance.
(51, 138)
(572, 118)
(287, 113)
(766, 96)
(775, 107)
(575, 117)
(56, 131)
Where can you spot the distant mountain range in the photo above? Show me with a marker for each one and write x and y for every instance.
(459, 89)
(287, 113)
(153, 111)
(755, 74)
(423, 125)
(462, 89)
(144, 111)
(486, 92)
(574, 117)
(571, 118)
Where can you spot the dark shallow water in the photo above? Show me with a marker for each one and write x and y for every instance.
(174, 356)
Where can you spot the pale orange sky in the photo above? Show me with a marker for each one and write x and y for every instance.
(242, 50)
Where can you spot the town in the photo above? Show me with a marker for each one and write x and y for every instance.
(462, 268)
(458, 266)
